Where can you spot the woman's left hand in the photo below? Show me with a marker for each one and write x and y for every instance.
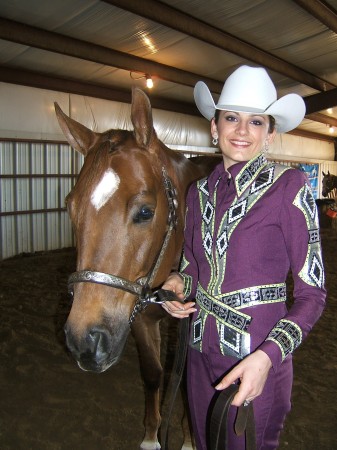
(252, 373)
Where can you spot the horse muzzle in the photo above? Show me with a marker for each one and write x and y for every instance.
(98, 349)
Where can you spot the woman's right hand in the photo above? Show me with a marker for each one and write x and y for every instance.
(177, 309)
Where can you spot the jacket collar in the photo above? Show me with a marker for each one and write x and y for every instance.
(243, 173)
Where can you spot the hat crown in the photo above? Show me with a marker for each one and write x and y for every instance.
(248, 88)
(251, 90)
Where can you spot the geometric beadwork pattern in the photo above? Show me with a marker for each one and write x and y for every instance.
(251, 184)
(309, 202)
(224, 314)
(222, 243)
(237, 211)
(207, 243)
(314, 236)
(232, 342)
(316, 270)
(256, 295)
(203, 186)
(208, 212)
(197, 331)
(232, 325)
(264, 179)
(287, 335)
(248, 173)
(312, 271)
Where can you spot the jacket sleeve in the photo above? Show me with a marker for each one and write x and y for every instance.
(300, 228)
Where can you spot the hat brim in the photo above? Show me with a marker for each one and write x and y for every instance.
(288, 111)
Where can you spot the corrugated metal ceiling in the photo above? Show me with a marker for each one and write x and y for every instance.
(177, 42)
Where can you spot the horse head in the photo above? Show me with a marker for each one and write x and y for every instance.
(119, 209)
(327, 183)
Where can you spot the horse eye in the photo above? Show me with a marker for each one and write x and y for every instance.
(145, 214)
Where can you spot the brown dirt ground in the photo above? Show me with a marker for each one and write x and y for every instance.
(48, 403)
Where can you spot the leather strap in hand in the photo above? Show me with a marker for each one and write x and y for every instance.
(244, 421)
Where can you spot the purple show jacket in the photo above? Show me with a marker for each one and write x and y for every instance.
(277, 232)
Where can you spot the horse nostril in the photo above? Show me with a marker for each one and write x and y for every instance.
(98, 343)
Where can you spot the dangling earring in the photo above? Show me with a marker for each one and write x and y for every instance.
(215, 140)
(265, 147)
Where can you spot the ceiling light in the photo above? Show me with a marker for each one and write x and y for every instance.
(149, 82)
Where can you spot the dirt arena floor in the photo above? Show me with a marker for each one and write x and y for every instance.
(48, 403)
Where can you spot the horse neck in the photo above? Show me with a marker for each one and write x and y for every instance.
(181, 170)
(334, 178)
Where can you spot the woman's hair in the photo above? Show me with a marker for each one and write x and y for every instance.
(272, 121)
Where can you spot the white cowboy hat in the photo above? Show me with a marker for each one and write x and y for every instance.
(250, 90)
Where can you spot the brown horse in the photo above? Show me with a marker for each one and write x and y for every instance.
(127, 211)
(329, 183)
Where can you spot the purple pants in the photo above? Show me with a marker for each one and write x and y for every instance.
(270, 408)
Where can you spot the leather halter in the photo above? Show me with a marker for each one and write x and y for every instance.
(141, 287)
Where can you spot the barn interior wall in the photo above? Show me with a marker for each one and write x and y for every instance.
(35, 175)
(28, 113)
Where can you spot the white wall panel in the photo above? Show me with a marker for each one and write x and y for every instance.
(35, 177)
(28, 113)
(8, 239)
(22, 238)
(7, 195)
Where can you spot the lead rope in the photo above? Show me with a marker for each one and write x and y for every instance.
(175, 380)
(244, 422)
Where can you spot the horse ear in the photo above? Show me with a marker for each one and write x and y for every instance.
(78, 136)
(141, 117)
(323, 174)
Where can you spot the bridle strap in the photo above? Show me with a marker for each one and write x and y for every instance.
(141, 288)
(90, 276)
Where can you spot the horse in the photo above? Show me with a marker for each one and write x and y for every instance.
(127, 211)
(329, 183)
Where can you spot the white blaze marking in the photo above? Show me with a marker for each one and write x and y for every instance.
(105, 189)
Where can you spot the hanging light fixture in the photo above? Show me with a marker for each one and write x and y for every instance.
(149, 81)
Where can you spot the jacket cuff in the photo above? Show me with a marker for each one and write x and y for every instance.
(274, 353)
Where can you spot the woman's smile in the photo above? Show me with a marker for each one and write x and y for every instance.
(241, 135)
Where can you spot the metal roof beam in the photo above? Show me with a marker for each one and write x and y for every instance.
(321, 101)
(60, 84)
(54, 42)
(321, 11)
(321, 118)
(58, 43)
(177, 20)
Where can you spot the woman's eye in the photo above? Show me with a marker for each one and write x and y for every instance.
(256, 122)
(143, 215)
(230, 118)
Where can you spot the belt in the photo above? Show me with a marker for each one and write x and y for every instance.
(256, 295)
(231, 322)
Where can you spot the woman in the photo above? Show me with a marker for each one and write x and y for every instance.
(247, 224)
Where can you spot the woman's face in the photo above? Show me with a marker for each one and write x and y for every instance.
(241, 136)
